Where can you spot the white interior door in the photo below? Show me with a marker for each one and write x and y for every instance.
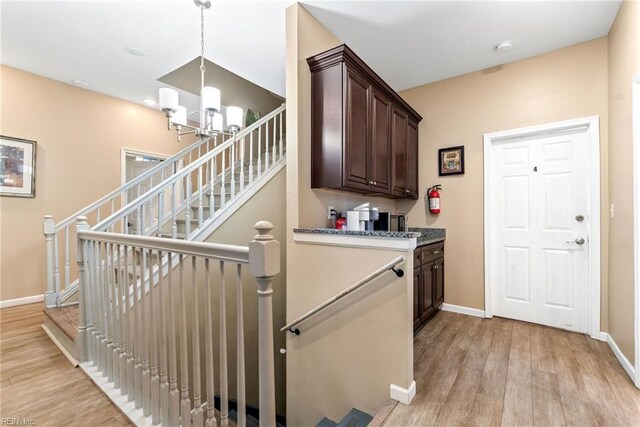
(136, 165)
(539, 253)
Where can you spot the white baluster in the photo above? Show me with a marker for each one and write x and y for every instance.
(233, 167)
(266, 146)
(251, 157)
(200, 199)
(137, 312)
(174, 395)
(224, 389)
(81, 225)
(115, 326)
(259, 152)
(164, 368)
(160, 211)
(145, 333)
(174, 213)
(273, 157)
(56, 264)
(95, 299)
(240, 375)
(108, 309)
(185, 403)
(89, 301)
(123, 300)
(104, 287)
(223, 190)
(281, 142)
(188, 209)
(98, 215)
(208, 333)
(241, 149)
(212, 177)
(67, 272)
(131, 327)
(196, 414)
(264, 264)
(49, 230)
(154, 320)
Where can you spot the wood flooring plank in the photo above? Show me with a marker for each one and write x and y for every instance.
(518, 400)
(541, 353)
(38, 383)
(547, 405)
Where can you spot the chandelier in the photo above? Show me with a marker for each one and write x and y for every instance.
(211, 120)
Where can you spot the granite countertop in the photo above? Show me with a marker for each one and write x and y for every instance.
(378, 233)
(424, 236)
(429, 235)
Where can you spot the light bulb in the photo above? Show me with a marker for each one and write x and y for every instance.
(234, 118)
(168, 100)
(210, 98)
(217, 123)
(180, 116)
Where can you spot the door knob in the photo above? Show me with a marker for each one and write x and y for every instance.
(578, 241)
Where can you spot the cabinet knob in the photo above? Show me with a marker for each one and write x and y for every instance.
(370, 182)
(406, 191)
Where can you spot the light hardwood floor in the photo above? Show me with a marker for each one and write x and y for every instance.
(38, 383)
(491, 372)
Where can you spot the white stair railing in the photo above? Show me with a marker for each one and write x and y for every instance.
(188, 201)
(61, 279)
(219, 176)
(131, 332)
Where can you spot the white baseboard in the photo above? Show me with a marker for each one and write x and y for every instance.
(403, 395)
(58, 344)
(601, 336)
(628, 367)
(462, 310)
(21, 301)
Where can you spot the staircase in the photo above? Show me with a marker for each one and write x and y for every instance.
(355, 418)
(189, 196)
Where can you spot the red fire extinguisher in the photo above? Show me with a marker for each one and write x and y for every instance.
(433, 197)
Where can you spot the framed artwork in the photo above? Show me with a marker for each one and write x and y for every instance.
(451, 161)
(17, 167)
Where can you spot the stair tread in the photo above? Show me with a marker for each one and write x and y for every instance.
(66, 318)
(326, 422)
(355, 418)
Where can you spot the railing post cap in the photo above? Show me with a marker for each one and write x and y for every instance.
(81, 220)
(48, 217)
(264, 230)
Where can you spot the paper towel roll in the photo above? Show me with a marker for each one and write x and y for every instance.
(353, 220)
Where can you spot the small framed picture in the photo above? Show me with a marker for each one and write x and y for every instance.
(17, 167)
(451, 161)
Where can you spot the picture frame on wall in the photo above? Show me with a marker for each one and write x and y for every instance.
(17, 167)
(451, 161)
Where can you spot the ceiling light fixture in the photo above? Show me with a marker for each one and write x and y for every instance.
(80, 83)
(504, 46)
(149, 101)
(211, 121)
(135, 51)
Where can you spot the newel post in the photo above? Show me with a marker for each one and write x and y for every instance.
(82, 225)
(264, 264)
(49, 230)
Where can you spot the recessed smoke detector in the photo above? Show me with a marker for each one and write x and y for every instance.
(135, 51)
(504, 46)
(149, 101)
(80, 83)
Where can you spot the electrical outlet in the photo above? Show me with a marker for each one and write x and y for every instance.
(329, 209)
(611, 211)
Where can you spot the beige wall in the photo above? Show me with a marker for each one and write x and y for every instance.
(561, 85)
(79, 135)
(624, 62)
(330, 366)
(267, 204)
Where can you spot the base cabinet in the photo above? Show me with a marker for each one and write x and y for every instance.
(428, 282)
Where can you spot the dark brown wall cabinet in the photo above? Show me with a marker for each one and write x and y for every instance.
(428, 282)
(364, 136)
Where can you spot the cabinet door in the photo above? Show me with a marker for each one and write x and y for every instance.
(427, 291)
(411, 185)
(399, 149)
(356, 156)
(438, 282)
(417, 286)
(380, 142)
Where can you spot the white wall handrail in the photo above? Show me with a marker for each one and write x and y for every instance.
(291, 327)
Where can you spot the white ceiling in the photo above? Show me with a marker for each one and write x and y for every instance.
(411, 43)
(408, 43)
